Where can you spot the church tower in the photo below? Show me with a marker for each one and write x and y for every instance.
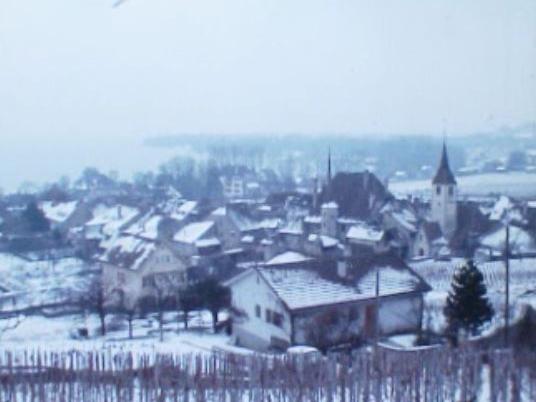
(444, 197)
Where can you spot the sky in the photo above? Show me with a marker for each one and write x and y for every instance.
(78, 72)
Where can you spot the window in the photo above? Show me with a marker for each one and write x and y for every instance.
(438, 190)
(148, 281)
(353, 314)
(268, 315)
(258, 311)
(451, 190)
(277, 319)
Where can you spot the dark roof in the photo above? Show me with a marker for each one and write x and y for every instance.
(432, 230)
(471, 223)
(444, 174)
(358, 195)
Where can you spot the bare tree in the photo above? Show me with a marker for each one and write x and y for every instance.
(165, 288)
(188, 301)
(95, 300)
(128, 307)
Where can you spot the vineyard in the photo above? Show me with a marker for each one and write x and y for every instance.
(436, 374)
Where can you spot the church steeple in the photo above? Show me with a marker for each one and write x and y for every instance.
(444, 205)
(444, 174)
(328, 178)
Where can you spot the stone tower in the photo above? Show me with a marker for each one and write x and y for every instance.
(329, 217)
(444, 197)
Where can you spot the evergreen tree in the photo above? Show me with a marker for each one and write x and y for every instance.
(214, 297)
(35, 218)
(467, 305)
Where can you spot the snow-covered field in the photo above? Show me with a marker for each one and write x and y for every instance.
(28, 284)
(514, 184)
(60, 334)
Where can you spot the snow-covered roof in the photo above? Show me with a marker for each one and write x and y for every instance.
(211, 242)
(58, 212)
(221, 211)
(502, 205)
(146, 227)
(111, 218)
(288, 257)
(247, 239)
(293, 227)
(330, 205)
(128, 251)
(241, 222)
(521, 240)
(314, 219)
(304, 288)
(326, 241)
(364, 233)
(184, 210)
(193, 232)
(269, 223)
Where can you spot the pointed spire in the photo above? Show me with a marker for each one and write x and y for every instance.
(444, 174)
(328, 183)
(329, 165)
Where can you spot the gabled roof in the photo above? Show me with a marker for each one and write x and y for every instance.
(364, 232)
(193, 232)
(358, 195)
(288, 257)
(128, 252)
(301, 289)
(444, 174)
(324, 241)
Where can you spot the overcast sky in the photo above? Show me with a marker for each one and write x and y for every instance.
(82, 67)
(86, 70)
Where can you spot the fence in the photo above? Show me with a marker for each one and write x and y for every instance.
(442, 374)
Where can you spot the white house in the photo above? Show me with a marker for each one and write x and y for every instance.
(274, 308)
(134, 268)
(196, 238)
(430, 242)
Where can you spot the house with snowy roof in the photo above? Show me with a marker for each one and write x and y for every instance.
(492, 244)
(362, 236)
(430, 242)
(134, 268)
(326, 305)
(197, 238)
(234, 228)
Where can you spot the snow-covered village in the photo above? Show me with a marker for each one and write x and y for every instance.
(197, 204)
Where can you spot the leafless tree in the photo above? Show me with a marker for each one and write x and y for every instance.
(165, 288)
(95, 299)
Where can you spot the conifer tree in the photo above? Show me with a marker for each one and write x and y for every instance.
(467, 305)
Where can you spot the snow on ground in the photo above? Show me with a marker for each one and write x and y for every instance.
(61, 334)
(438, 274)
(58, 211)
(33, 283)
(515, 184)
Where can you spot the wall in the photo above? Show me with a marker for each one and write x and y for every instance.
(249, 330)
